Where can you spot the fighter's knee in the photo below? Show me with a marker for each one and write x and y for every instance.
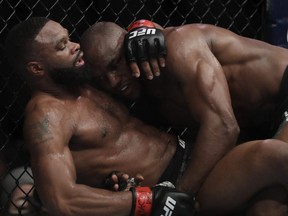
(271, 152)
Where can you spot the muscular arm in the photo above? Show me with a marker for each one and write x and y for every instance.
(205, 89)
(47, 134)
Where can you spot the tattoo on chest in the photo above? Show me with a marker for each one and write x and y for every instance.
(40, 130)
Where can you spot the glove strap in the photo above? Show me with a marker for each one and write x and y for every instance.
(142, 201)
(140, 23)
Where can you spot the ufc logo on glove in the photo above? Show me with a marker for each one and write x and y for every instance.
(161, 200)
(142, 31)
(169, 206)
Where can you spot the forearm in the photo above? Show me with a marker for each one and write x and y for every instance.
(83, 200)
(208, 149)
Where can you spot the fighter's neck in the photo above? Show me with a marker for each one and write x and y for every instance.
(59, 91)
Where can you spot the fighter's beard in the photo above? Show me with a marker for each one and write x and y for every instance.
(71, 76)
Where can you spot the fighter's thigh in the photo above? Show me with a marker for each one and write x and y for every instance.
(241, 173)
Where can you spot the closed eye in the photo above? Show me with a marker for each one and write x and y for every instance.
(114, 64)
(116, 60)
(62, 43)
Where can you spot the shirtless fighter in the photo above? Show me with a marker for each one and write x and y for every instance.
(209, 70)
(77, 135)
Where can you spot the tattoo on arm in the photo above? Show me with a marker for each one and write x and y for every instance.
(40, 130)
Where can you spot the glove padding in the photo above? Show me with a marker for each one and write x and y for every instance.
(161, 201)
(143, 41)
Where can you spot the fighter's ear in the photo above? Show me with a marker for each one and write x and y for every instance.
(35, 68)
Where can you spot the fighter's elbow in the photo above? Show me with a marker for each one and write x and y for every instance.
(61, 208)
(232, 132)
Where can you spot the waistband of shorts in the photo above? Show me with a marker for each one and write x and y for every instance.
(178, 163)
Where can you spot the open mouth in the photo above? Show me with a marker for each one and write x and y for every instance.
(79, 59)
(123, 87)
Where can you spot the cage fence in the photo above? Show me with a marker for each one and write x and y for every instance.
(245, 17)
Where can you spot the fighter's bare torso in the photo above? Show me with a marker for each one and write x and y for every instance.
(104, 137)
(253, 69)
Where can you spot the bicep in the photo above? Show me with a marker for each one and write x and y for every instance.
(200, 75)
(54, 174)
(205, 88)
(47, 141)
(210, 103)
(212, 91)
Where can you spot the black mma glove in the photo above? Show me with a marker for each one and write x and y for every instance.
(161, 200)
(143, 41)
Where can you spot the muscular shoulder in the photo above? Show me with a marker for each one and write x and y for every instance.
(198, 34)
(45, 119)
(188, 41)
(43, 105)
(186, 46)
(180, 33)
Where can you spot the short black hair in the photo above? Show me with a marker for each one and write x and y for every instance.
(20, 39)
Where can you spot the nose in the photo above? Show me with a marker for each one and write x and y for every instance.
(113, 79)
(75, 47)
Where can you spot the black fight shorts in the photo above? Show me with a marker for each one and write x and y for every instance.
(178, 164)
(281, 114)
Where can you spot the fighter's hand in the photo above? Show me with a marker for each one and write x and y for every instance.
(161, 200)
(145, 48)
(119, 181)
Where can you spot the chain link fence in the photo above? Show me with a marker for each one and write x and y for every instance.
(245, 17)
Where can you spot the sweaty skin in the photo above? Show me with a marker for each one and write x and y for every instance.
(209, 70)
(77, 136)
(90, 133)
